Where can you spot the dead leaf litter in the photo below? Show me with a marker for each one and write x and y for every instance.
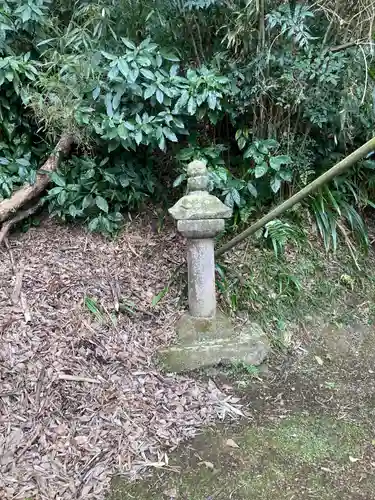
(81, 398)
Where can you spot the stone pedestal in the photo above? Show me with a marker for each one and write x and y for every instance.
(201, 276)
(208, 342)
(205, 338)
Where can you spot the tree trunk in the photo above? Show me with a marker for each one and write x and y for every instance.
(27, 193)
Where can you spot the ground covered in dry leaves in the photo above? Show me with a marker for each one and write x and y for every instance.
(80, 395)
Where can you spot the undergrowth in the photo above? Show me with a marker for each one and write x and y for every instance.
(281, 291)
(268, 94)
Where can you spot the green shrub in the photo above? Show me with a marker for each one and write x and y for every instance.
(267, 93)
(97, 192)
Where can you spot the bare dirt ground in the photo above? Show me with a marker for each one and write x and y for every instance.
(80, 394)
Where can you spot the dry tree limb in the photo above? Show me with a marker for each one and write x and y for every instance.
(29, 192)
(17, 218)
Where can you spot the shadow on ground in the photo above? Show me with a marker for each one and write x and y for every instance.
(310, 432)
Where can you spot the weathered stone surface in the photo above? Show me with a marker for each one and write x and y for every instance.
(196, 168)
(200, 217)
(198, 183)
(200, 205)
(198, 349)
(190, 329)
(201, 278)
(200, 228)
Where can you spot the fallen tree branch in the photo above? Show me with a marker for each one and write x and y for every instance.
(29, 192)
(17, 218)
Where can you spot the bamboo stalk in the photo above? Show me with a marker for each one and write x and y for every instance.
(337, 169)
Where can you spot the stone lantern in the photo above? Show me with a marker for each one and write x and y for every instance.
(200, 217)
(205, 337)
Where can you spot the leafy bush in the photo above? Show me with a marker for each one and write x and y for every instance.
(17, 161)
(96, 192)
(278, 233)
(137, 97)
(268, 94)
(15, 173)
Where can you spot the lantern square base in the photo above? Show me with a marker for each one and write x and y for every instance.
(208, 342)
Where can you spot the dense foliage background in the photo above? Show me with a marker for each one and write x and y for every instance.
(269, 93)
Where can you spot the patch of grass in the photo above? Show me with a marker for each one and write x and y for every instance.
(92, 306)
(272, 463)
(241, 368)
(313, 440)
(302, 282)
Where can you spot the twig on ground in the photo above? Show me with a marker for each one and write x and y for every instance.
(30, 443)
(39, 388)
(349, 244)
(115, 289)
(17, 286)
(77, 378)
(6, 243)
(25, 308)
(133, 251)
(126, 309)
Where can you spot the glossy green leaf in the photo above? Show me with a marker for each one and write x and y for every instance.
(61, 198)
(149, 92)
(128, 43)
(122, 131)
(169, 56)
(93, 225)
(54, 191)
(123, 67)
(275, 184)
(101, 203)
(159, 96)
(108, 104)
(147, 74)
(57, 179)
(236, 197)
(169, 134)
(96, 93)
(192, 105)
(252, 189)
(116, 100)
(180, 179)
(286, 175)
(138, 137)
(260, 170)
(212, 101)
(277, 161)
